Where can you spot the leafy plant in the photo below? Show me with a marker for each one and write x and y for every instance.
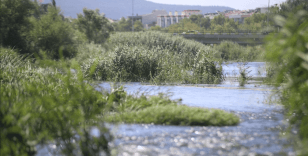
(287, 53)
(44, 106)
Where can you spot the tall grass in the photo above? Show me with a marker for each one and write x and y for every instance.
(152, 57)
(43, 106)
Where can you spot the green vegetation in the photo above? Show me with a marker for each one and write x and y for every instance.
(230, 51)
(287, 54)
(220, 24)
(152, 57)
(48, 96)
(161, 110)
(40, 106)
(95, 26)
(176, 115)
(126, 25)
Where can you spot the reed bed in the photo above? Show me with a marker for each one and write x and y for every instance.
(151, 57)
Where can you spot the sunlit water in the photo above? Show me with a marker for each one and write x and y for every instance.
(259, 132)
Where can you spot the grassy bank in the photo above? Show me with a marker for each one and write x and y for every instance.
(152, 57)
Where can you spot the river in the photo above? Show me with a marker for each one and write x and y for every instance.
(260, 132)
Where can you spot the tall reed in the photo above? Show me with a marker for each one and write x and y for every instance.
(152, 57)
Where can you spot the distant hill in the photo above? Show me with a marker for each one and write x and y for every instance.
(116, 9)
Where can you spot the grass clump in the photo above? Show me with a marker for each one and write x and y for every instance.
(152, 57)
(176, 115)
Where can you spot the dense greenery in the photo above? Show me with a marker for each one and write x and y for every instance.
(230, 51)
(176, 115)
(287, 53)
(41, 106)
(50, 32)
(126, 25)
(152, 57)
(220, 24)
(14, 23)
(95, 26)
(48, 96)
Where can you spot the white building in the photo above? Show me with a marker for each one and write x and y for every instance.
(149, 20)
(167, 20)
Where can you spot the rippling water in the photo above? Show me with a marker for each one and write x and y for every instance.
(259, 133)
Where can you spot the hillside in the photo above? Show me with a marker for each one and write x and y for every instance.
(116, 9)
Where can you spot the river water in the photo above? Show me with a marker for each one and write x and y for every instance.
(260, 131)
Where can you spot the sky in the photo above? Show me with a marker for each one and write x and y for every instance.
(236, 4)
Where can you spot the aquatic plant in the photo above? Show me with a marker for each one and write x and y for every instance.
(244, 71)
(159, 109)
(176, 115)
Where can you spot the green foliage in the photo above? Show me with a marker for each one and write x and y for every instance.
(138, 26)
(43, 106)
(287, 53)
(230, 51)
(183, 26)
(123, 25)
(152, 57)
(50, 33)
(160, 109)
(14, 22)
(155, 28)
(96, 27)
(176, 115)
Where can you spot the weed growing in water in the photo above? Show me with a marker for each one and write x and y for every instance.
(244, 73)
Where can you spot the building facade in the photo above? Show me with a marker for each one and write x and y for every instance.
(167, 20)
(149, 20)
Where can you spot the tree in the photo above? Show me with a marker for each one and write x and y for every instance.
(205, 23)
(219, 20)
(155, 28)
(14, 22)
(96, 27)
(50, 33)
(138, 26)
